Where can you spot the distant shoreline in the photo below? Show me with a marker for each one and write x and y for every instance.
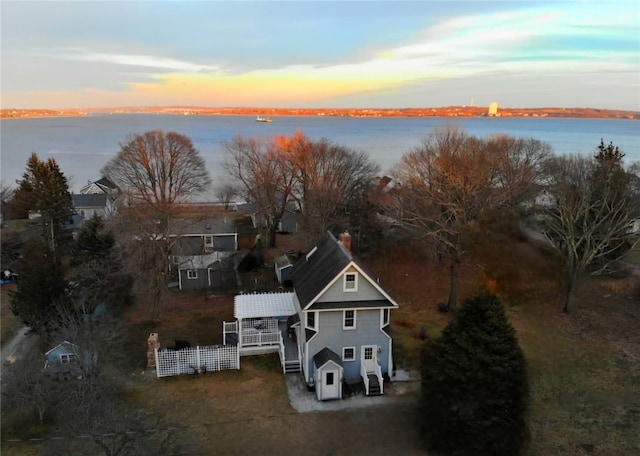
(448, 111)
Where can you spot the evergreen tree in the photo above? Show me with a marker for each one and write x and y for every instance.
(94, 242)
(40, 300)
(474, 384)
(45, 189)
(99, 274)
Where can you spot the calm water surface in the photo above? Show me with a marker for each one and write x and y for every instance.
(82, 145)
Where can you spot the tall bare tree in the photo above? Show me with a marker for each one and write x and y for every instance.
(263, 171)
(445, 185)
(589, 220)
(329, 179)
(322, 179)
(519, 166)
(157, 171)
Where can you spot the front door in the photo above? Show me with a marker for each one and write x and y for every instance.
(369, 357)
(330, 389)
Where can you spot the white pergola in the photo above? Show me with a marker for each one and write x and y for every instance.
(257, 318)
(263, 305)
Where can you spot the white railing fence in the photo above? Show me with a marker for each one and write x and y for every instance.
(379, 375)
(196, 360)
(365, 377)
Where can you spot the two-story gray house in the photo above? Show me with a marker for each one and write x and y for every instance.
(343, 329)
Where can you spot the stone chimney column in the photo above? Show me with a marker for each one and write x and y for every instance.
(345, 239)
(153, 343)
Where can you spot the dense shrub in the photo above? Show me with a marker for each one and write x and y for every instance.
(474, 384)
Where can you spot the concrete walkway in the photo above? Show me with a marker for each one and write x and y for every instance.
(19, 344)
(303, 400)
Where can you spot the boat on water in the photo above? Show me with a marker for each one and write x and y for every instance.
(263, 119)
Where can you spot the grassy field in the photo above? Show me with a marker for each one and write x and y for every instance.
(584, 367)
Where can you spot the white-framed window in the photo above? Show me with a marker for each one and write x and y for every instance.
(350, 282)
(349, 319)
(348, 353)
(385, 317)
(208, 241)
(311, 320)
(192, 273)
(68, 358)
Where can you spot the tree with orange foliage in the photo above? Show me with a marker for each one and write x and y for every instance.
(264, 171)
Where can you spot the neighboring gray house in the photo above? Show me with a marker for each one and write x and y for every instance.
(92, 204)
(96, 198)
(103, 185)
(334, 326)
(201, 257)
(65, 361)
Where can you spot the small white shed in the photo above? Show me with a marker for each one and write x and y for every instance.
(328, 375)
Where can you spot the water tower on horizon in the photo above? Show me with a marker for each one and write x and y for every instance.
(493, 109)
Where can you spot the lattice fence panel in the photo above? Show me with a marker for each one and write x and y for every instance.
(196, 360)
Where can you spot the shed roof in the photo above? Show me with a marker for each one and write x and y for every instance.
(68, 346)
(324, 356)
(258, 305)
(283, 261)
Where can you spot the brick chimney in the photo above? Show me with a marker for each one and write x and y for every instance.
(345, 239)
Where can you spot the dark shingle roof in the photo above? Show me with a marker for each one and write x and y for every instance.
(325, 355)
(106, 182)
(188, 246)
(90, 200)
(185, 227)
(313, 272)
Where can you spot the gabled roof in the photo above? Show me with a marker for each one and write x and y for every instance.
(324, 356)
(323, 265)
(89, 200)
(70, 348)
(106, 182)
(209, 226)
(313, 272)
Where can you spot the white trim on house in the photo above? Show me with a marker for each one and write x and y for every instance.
(338, 276)
(314, 317)
(348, 358)
(345, 318)
(384, 317)
(192, 274)
(348, 285)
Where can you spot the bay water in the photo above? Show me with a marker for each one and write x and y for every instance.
(83, 145)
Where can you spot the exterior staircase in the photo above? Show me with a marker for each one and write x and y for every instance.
(292, 366)
(374, 385)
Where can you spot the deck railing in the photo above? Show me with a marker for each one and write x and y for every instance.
(365, 378)
(259, 338)
(378, 371)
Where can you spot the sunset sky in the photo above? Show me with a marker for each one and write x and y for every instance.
(67, 54)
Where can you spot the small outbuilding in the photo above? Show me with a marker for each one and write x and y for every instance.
(284, 269)
(64, 362)
(328, 375)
